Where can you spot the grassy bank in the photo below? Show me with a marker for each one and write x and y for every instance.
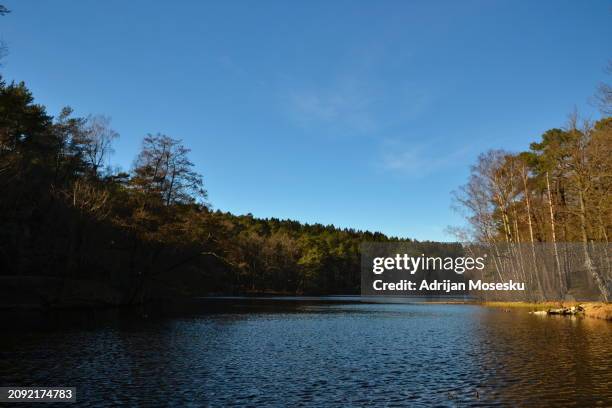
(598, 310)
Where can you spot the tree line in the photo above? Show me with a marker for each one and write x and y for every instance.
(557, 192)
(65, 213)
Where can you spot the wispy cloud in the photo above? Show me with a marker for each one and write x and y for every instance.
(356, 105)
(417, 160)
(345, 104)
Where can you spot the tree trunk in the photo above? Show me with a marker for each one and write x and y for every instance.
(534, 271)
(562, 288)
(600, 281)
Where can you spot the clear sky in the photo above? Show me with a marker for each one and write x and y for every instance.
(362, 114)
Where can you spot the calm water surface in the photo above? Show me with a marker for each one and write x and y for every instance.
(312, 352)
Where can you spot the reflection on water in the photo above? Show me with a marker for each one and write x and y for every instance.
(309, 351)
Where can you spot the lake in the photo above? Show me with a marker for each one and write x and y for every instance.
(329, 351)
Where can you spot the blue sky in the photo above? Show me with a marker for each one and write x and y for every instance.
(354, 113)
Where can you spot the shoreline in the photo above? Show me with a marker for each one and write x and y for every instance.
(44, 293)
(596, 310)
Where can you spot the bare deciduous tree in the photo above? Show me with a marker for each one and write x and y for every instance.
(163, 169)
(603, 96)
(96, 139)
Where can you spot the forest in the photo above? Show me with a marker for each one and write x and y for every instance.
(67, 216)
(72, 225)
(551, 202)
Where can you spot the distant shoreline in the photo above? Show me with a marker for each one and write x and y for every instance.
(86, 296)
